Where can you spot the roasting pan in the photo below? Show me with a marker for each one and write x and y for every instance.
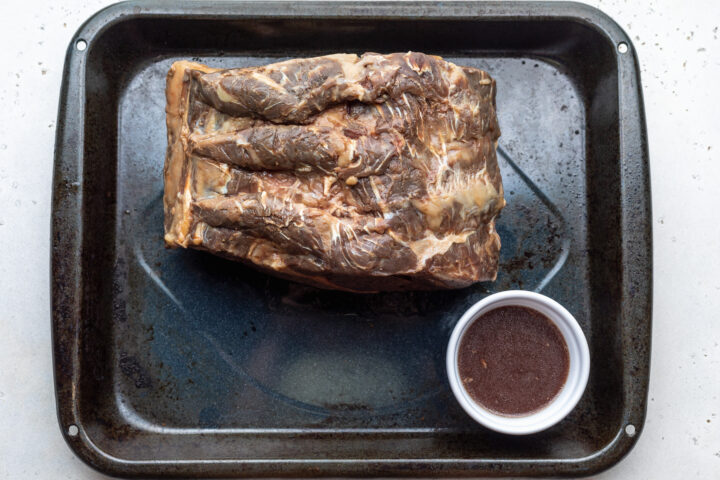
(178, 363)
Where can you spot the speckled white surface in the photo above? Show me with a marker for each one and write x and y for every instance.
(680, 55)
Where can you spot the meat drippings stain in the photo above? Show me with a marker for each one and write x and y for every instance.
(513, 361)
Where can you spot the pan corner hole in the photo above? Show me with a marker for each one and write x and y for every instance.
(73, 430)
(81, 45)
(630, 430)
(623, 47)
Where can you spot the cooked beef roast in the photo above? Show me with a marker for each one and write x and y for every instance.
(356, 173)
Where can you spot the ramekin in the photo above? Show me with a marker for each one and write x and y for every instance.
(569, 395)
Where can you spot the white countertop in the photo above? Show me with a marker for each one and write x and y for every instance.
(680, 55)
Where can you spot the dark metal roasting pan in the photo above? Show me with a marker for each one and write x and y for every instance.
(175, 363)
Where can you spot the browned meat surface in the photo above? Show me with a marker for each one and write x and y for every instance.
(357, 173)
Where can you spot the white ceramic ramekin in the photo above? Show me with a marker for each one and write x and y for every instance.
(578, 372)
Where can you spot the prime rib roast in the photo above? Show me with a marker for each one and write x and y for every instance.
(364, 174)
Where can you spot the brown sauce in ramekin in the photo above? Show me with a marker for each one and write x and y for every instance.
(513, 360)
